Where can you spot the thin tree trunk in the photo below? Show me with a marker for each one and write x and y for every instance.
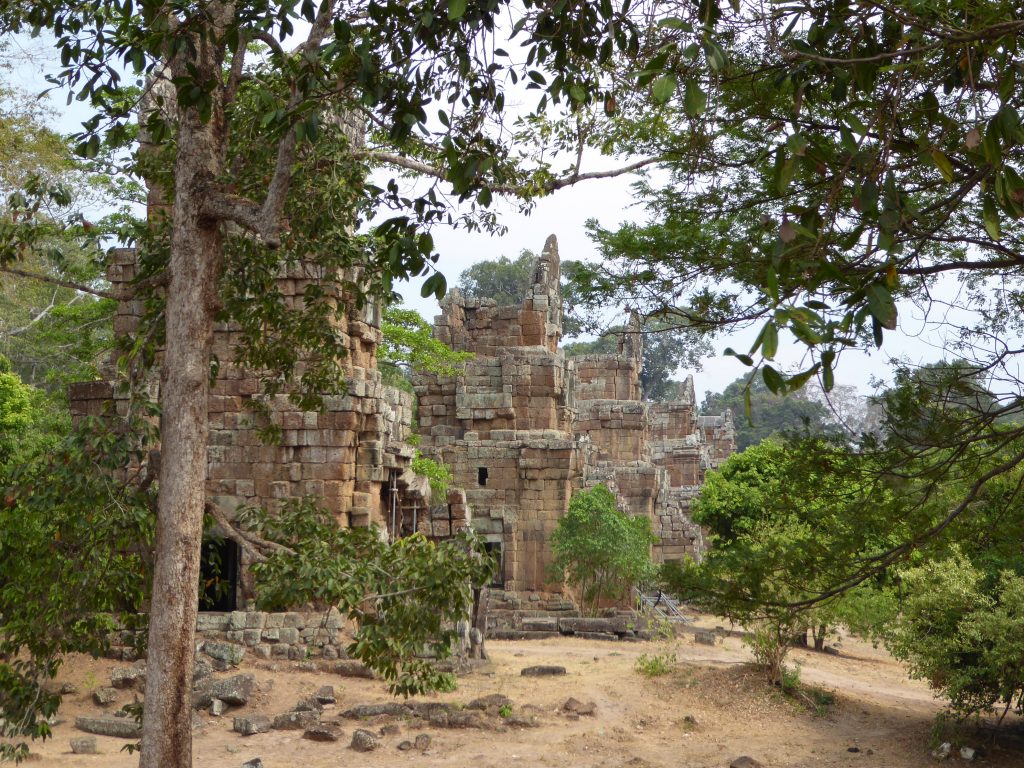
(196, 255)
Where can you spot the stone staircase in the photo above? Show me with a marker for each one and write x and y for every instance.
(536, 616)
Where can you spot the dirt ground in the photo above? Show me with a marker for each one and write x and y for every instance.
(640, 722)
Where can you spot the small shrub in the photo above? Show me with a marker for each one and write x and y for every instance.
(505, 710)
(655, 665)
(768, 642)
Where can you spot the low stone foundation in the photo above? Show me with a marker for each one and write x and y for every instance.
(293, 635)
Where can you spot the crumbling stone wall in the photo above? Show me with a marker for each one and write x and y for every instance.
(524, 427)
(354, 455)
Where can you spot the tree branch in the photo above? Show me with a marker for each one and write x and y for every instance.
(61, 282)
(253, 545)
(418, 166)
(265, 220)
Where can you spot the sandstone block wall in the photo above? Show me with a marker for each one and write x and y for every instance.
(353, 456)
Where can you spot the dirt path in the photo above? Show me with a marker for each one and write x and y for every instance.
(640, 722)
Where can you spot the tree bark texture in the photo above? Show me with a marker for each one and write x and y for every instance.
(195, 261)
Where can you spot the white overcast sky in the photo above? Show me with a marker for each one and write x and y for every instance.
(564, 214)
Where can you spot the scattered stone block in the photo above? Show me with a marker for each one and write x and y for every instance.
(128, 677)
(104, 696)
(309, 704)
(235, 690)
(968, 753)
(353, 668)
(217, 708)
(422, 742)
(543, 670)
(577, 707)
(364, 741)
(84, 745)
(68, 689)
(704, 637)
(405, 746)
(391, 708)
(745, 762)
(254, 763)
(251, 725)
(227, 653)
(325, 694)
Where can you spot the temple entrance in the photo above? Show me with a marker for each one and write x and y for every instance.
(218, 587)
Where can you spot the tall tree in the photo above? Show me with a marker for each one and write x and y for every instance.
(503, 279)
(383, 63)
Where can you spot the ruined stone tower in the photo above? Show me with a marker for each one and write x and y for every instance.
(524, 427)
(521, 428)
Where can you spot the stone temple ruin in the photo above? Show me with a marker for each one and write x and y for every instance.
(522, 428)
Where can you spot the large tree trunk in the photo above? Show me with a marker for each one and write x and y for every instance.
(196, 256)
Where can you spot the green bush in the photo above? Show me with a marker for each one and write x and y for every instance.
(962, 631)
(600, 550)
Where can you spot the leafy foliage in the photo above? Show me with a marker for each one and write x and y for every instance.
(409, 345)
(771, 415)
(600, 550)
(404, 597)
(74, 566)
(437, 473)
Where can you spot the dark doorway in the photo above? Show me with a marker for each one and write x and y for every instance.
(481, 475)
(493, 548)
(218, 587)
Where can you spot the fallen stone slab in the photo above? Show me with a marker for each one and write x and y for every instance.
(543, 670)
(84, 745)
(497, 700)
(322, 732)
(254, 763)
(251, 725)
(393, 709)
(118, 727)
(295, 721)
(353, 668)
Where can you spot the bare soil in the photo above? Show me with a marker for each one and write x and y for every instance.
(710, 708)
